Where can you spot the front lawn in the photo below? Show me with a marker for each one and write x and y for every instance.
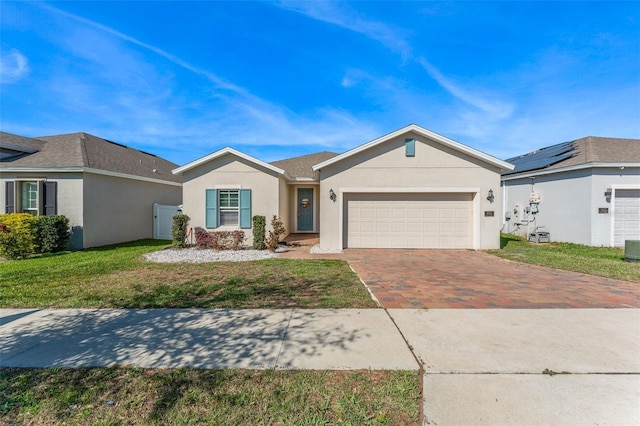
(118, 277)
(602, 261)
(134, 396)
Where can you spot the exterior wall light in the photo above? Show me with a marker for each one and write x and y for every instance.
(490, 197)
(332, 195)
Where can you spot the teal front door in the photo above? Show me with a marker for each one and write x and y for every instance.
(305, 209)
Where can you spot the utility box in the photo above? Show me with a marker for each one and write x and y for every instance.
(540, 237)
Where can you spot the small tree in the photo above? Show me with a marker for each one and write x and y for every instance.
(179, 230)
(275, 233)
(259, 223)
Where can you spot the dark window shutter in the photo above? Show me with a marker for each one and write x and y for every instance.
(211, 212)
(9, 196)
(245, 208)
(50, 198)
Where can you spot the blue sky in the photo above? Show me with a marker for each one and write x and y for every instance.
(280, 79)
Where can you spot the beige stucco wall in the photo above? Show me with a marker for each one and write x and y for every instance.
(385, 168)
(70, 197)
(118, 210)
(231, 172)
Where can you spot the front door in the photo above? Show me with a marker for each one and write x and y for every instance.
(305, 209)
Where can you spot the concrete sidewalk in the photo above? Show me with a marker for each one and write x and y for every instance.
(481, 366)
(486, 366)
(216, 338)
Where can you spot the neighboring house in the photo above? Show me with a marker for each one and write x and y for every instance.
(409, 189)
(589, 191)
(107, 190)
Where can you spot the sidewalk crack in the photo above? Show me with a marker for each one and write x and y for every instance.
(284, 338)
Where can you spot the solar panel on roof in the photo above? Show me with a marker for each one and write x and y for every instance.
(545, 157)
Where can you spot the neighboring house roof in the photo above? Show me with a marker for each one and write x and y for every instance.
(302, 167)
(425, 133)
(222, 152)
(589, 151)
(83, 152)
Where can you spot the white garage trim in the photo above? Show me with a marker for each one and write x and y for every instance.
(612, 226)
(474, 191)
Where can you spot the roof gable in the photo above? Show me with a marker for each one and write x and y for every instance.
(222, 152)
(422, 132)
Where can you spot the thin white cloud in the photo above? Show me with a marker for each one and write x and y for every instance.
(221, 83)
(342, 15)
(228, 115)
(497, 110)
(13, 66)
(394, 39)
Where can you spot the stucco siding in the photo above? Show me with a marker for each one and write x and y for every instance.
(231, 172)
(564, 209)
(434, 168)
(570, 203)
(119, 210)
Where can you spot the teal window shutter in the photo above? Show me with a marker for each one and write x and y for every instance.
(211, 213)
(410, 147)
(245, 208)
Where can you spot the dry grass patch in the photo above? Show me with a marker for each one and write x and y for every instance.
(134, 396)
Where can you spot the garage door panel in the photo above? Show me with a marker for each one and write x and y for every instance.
(409, 220)
(626, 225)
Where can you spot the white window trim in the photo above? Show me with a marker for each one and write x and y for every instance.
(220, 208)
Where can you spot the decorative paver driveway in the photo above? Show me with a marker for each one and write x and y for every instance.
(470, 279)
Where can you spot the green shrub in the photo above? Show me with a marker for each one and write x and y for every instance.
(179, 229)
(52, 233)
(276, 232)
(259, 224)
(17, 235)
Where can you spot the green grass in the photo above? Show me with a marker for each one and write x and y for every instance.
(133, 396)
(602, 261)
(118, 277)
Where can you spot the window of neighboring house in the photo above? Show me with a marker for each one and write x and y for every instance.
(29, 201)
(33, 197)
(229, 207)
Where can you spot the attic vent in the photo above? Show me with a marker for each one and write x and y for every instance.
(410, 147)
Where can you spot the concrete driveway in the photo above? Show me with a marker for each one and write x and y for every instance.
(460, 279)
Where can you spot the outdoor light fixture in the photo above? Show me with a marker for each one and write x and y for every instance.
(607, 193)
(332, 195)
(490, 197)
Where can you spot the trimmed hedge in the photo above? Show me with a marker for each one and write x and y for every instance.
(52, 233)
(221, 240)
(259, 225)
(22, 234)
(17, 235)
(179, 229)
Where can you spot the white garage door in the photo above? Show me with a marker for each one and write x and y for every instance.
(408, 221)
(626, 225)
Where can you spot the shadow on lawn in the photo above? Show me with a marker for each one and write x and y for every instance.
(505, 239)
(174, 338)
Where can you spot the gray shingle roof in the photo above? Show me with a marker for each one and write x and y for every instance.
(300, 167)
(88, 151)
(591, 149)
